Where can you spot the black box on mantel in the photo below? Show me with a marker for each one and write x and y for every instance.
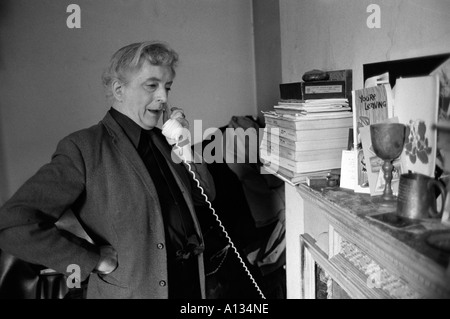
(291, 91)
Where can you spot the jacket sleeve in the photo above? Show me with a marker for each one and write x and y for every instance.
(27, 220)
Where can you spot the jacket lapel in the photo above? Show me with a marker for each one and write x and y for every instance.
(127, 150)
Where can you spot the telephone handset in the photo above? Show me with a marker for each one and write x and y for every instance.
(172, 129)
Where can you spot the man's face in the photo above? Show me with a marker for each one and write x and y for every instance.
(145, 94)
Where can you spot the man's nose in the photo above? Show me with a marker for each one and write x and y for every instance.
(162, 95)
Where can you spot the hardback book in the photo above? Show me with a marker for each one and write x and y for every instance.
(290, 101)
(347, 76)
(323, 89)
(330, 101)
(301, 156)
(293, 112)
(313, 135)
(308, 123)
(285, 174)
(314, 102)
(308, 110)
(310, 116)
(291, 91)
(331, 142)
(295, 178)
(317, 105)
(301, 167)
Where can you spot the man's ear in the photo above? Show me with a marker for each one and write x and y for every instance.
(118, 90)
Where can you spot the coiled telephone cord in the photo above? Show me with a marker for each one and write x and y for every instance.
(221, 226)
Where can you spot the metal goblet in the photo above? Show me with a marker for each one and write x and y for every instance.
(388, 140)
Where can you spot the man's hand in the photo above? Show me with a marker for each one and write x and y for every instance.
(178, 114)
(175, 113)
(107, 262)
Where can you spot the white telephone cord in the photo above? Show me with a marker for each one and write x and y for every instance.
(220, 223)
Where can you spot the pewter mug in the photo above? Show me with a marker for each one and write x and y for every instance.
(417, 197)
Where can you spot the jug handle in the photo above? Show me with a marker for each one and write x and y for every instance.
(433, 211)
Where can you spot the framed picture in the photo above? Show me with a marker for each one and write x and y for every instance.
(419, 66)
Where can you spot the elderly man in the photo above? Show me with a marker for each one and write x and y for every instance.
(120, 181)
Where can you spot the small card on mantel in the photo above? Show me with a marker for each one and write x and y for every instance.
(349, 169)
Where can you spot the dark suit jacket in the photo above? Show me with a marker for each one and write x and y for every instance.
(98, 174)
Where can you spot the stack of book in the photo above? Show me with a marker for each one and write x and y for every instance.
(306, 138)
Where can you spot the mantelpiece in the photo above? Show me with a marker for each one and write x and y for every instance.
(332, 228)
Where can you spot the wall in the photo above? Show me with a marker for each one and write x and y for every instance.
(332, 34)
(50, 75)
(266, 21)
